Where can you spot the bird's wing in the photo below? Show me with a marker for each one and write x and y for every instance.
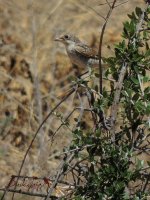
(86, 50)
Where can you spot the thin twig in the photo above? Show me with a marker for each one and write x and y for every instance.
(108, 4)
(81, 111)
(59, 173)
(65, 120)
(121, 4)
(114, 108)
(67, 117)
(91, 100)
(100, 46)
(95, 12)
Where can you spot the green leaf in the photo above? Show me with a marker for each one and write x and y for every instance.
(136, 81)
(136, 69)
(140, 106)
(138, 11)
(136, 97)
(132, 16)
(147, 90)
(146, 79)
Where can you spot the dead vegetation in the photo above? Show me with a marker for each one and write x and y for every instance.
(35, 73)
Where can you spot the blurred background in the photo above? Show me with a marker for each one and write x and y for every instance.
(35, 73)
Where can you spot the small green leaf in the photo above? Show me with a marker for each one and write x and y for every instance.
(147, 90)
(146, 79)
(135, 97)
(132, 16)
(136, 69)
(138, 11)
(136, 81)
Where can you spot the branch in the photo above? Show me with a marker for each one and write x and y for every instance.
(100, 53)
(100, 45)
(114, 108)
(59, 173)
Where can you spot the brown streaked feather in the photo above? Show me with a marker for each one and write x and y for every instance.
(86, 51)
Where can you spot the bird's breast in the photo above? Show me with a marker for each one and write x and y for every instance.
(77, 59)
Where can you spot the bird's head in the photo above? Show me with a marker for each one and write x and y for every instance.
(67, 39)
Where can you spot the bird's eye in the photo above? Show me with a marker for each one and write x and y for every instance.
(66, 36)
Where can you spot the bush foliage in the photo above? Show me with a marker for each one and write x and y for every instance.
(115, 168)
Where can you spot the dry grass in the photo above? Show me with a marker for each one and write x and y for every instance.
(34, 72)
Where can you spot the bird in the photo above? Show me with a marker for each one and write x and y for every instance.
(79, 53)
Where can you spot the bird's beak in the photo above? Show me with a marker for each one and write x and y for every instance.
(60, 39)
